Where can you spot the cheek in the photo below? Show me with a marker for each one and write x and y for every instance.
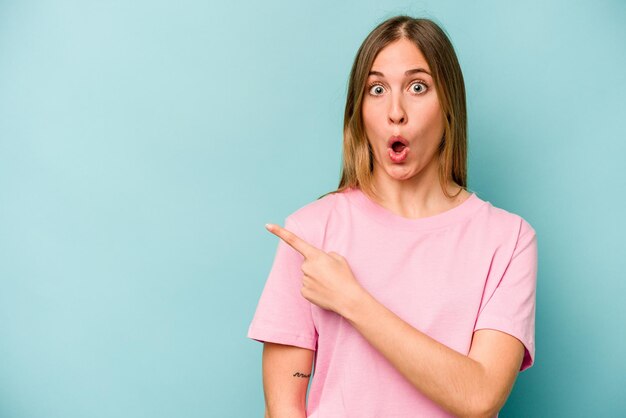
(370, 115)
(430, 118)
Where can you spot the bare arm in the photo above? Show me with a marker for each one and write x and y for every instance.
(473, 386)
(286, 375)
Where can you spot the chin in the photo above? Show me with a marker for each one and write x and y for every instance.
(403, 173)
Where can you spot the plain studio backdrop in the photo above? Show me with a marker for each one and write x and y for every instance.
(143, 145)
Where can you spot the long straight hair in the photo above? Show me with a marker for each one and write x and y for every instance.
(432, 41)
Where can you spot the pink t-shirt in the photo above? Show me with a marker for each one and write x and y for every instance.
(471, 267)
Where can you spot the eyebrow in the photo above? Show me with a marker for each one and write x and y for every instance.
(406, 73)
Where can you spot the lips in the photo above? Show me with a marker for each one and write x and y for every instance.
(396, 138)
(397, 148)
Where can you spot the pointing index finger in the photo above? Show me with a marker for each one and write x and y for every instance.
(297, 243)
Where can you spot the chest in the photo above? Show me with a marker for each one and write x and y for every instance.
(428, 279)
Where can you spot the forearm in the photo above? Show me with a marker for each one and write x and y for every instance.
(449, 378)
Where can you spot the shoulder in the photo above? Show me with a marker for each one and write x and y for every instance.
(311, 219)
(506, 225)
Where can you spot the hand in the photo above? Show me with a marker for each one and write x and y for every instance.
(328, 281)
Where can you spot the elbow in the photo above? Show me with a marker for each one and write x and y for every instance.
(481, 407)
(485, 402)
(484, 410)
(483, 413)
(490, 414)
(492, 411)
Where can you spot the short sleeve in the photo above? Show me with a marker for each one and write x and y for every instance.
(511, 307)
(283, 315)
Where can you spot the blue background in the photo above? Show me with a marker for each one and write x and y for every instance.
(143, 145)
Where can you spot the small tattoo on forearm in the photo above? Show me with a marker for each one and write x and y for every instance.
(298, 374)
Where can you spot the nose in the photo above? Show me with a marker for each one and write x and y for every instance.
(397, 114)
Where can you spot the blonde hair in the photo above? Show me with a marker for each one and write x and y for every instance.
(438, 51)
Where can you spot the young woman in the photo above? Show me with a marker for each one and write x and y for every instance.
(410, 295)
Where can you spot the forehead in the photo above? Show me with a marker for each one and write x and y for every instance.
(399, 56)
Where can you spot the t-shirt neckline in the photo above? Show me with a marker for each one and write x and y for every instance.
(388, 218)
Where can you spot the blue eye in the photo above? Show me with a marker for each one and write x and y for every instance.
(371, 86)
(376, 89)
(420, 83)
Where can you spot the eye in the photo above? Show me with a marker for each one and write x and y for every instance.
(419, 83)
(375, 91)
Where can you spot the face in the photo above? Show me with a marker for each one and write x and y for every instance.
(400, 100)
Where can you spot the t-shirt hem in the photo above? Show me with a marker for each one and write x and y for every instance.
(281, 337)
(505, 326)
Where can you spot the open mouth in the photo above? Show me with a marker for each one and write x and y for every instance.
(398, 147)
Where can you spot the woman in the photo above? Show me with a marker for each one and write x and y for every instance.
(416, 297)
